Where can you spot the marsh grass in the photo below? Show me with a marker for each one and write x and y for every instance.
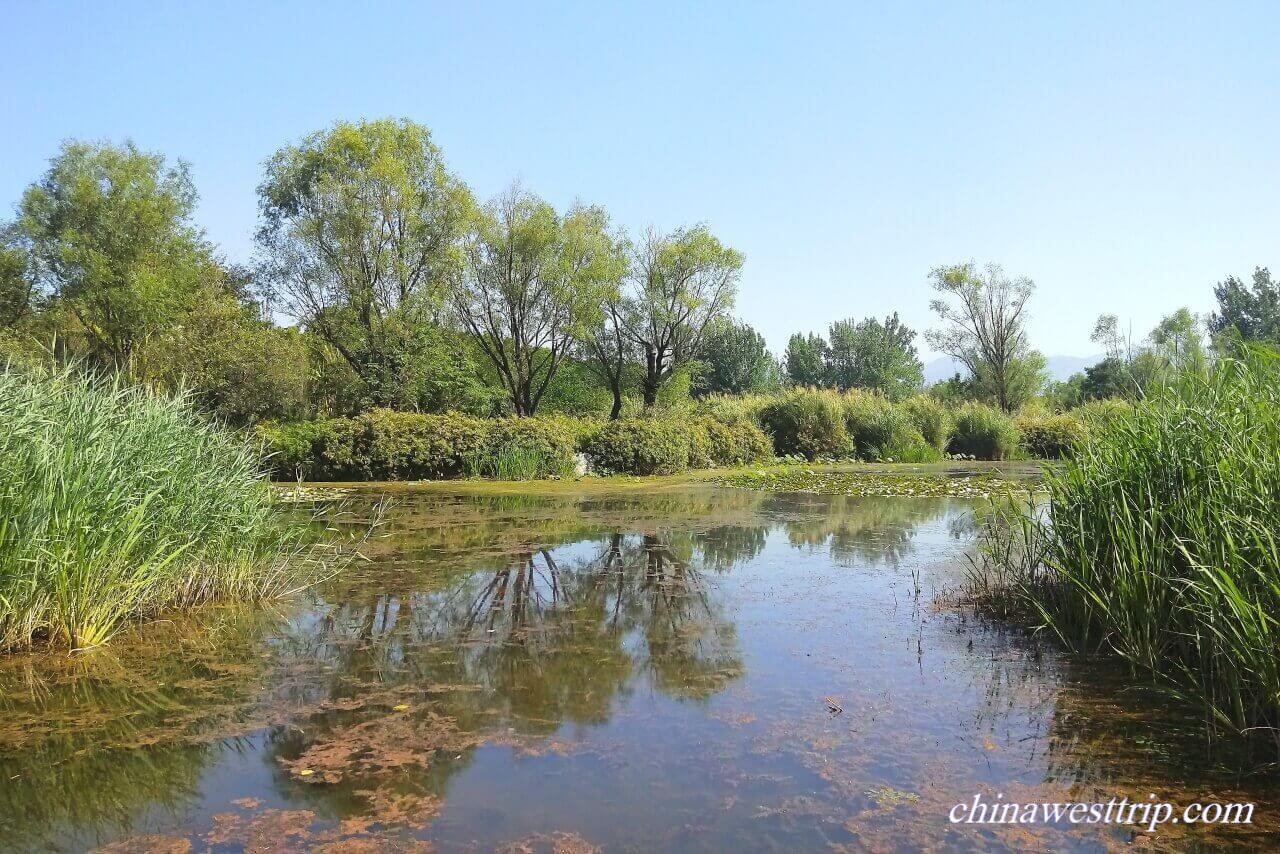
(1161, 544)
(116, 502)
(514, 462)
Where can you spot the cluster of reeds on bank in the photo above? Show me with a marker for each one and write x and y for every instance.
(1159, 542)
(116, 502)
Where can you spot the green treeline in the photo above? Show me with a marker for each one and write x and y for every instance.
(380, 282)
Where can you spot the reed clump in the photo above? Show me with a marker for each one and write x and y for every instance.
(1160, 543)
(117, 502)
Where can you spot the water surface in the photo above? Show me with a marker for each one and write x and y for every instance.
(683, 668)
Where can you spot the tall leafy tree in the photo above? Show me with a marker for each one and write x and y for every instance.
(105, 239)
(361, 235)
(681, 284)
(806, 359)
(1179, 343)
(874, 355)
(735, 359)
(533, 283)
(985, 315)
(609, 351)
(1248, 312)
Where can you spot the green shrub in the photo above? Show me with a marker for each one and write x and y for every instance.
(1050, 437)
(385, 445)
(931, 418)
(734, 408)
(807, 422)
(736, 443)
(289, 448)
(983, 432)
(880, 430)
(116, 502)
(527, 448)
(643, 446)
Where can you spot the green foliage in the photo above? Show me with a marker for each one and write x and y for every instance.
(1100, 413)
(533, 285)
(361, 234)
(116, 502)
(682, 284)
(1050, 436)
(806, 360)
(881, 430)
(239, 368)
(874, 355)
(735, 442)
(1250, 313)
(931, 418)
(1162, 543)
(983, 432)
(734, 359)
(807, 422)
(643, 446)
(984, 316)
(106, 241)
(386, 445)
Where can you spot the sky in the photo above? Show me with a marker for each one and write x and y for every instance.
(1125, 156)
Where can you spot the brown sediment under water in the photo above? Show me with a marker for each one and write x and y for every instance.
(663, 667)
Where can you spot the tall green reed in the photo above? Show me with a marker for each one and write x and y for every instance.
(116, 502)
(1161, 543)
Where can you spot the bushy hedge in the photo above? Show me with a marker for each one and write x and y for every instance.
(807, 422)
(1050, 437)
(719, 431)
(983, 432)
(881, 430)
(386, 445)
(639, 446)
(931, 418)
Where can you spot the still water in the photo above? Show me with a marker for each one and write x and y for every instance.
(691, 668)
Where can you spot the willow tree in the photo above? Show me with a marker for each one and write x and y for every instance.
(985, 317)
(361, 235)
(680, 284)
(105, 240)
(533, 283)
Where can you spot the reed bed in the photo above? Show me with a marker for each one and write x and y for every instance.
(1160, 543)
(116, 502)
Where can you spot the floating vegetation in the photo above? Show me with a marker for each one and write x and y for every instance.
(929, 484)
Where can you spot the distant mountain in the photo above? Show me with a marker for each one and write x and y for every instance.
(1058, 367)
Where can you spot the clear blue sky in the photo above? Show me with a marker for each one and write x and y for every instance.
(1124, 155)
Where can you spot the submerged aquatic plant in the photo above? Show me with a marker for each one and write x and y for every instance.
(116, 502)
(1161, 543)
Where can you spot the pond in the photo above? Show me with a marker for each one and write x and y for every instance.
(684, 667)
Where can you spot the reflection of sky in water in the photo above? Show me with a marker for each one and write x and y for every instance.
(695, 669)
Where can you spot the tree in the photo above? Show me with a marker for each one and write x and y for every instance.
(986, 329)
(874, 355)
(1251, 313)
(105, 238)
(681, 283)
(609, 351)
(17, 287)
(239, 367)
(533, 284)
(1177, 341)
(735, 359)
(361, 235)
(806, 359)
